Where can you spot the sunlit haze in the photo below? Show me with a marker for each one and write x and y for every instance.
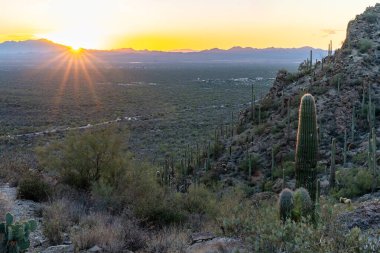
(176, 25)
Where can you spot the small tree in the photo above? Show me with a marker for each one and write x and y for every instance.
(84, 158)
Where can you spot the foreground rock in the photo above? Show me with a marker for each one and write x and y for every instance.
(365, 217)
(206, 243)
(59, 249)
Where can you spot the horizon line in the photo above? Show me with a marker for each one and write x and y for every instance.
(164, 51)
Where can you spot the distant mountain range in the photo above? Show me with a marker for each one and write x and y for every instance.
(34, 51)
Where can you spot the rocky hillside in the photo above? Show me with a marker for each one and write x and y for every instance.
(341, 84)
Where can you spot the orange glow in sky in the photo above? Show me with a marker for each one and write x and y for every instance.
(179, 24)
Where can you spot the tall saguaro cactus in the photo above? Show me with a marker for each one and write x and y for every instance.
(307, 145)
(332, 166)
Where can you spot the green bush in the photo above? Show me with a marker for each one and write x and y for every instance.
(353, 182)
(364, 46)
(265, 232)
(200, 200)
(288, 168)
(148, 199)
(255, 164)
(85, 158)
(360, 158)
(370, 17)
(56, 222)
(32, 187)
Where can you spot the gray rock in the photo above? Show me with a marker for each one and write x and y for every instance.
(96, 248)
(368, 197)
(59, 249)
(200, 237)
(365, 217)
(218, 245)
(262, 196)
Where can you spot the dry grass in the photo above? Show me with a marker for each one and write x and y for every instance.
(111, 233)
(59, 216)
(172, 239)
(96, 229)
(14, 166)
(4, 205)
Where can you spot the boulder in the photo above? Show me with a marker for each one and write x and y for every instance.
(59, 249)
(96, 248)
(365, 217)
(262, 196)
(201, 237)
(218, 245)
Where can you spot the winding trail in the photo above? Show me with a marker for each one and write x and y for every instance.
(125, 119)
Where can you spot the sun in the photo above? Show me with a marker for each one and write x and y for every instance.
(76, 49)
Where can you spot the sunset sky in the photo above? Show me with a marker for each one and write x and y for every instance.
(180, 24)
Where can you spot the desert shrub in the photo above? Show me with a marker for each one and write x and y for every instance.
(292, 77)
(255, 164)
(287, 168)
(59, 216)
(360, 158)
(277, 128)
(267, 185)
(264, 231)
(353, 182)
(364, 46)
(111, 233)
(210, 178)
(4, 204)
(217, 149)
(56, 222)
(260, 129)
(171, 239)
(370, 17)
(33, 187)
(148, 199)
(13, 166)
(336, 79)
(234, 209)
(319, 90)
(200, 200)
(85, 158)
(108, 197)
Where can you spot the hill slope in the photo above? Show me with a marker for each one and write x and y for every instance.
(338, 84)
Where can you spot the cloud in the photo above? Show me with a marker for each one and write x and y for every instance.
(329, 32)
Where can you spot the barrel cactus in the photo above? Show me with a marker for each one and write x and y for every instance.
(15, 234)
(286, 204)
(307, 146)
(303, 206)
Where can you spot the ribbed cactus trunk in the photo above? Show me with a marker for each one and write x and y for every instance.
(307, 146)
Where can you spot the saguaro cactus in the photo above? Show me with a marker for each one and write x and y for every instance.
(372, 158)
(311, 60)
(345, 149)
(353, 125)
(307, 145)
(332, 166)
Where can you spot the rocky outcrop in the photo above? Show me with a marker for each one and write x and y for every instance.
(365, 217)
(59, 249)
(338, 85)
(208, 243)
